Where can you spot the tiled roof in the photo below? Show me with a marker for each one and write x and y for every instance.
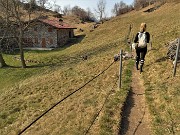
(56, 23)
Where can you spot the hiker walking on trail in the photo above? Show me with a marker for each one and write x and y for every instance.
(141, 40)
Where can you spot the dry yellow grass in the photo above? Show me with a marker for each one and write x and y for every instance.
(38, 88)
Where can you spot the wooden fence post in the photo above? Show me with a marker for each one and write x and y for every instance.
(129, 32)
(132, 41)
(176, 58)
(151, 42)
(120, 69)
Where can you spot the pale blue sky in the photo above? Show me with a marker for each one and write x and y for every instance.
(92, 4)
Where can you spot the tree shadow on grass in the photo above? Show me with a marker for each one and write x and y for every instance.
(29, 66)
(77, 57)
(9, 66)
(162, 59)
(76, 39)
(71, 42)
(36, 66)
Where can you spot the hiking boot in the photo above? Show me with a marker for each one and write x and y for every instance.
(141, 66)
(137, 66)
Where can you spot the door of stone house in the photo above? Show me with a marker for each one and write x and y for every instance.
(43, 43)
(70, 34)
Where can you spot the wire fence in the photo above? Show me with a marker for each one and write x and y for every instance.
(97, 114)
(118, 57)
(57, 103)
(108, 94)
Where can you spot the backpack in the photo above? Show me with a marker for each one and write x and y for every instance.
(142, 40)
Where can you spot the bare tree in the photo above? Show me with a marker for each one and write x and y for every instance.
(57, 8)
(121, 8)
(90, 15)
(14, 16)
(32, 2)
(42, 3)
(67, 10)
(2, 61)
(115, 10)
(81, 13)
(101, 6)
(3, 29)
(138, 4)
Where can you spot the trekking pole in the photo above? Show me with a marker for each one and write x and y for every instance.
(176, 58)
(120, 69)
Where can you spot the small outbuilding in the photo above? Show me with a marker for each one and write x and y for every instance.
(48, 33)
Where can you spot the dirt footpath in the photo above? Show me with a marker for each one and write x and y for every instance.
(135, 119)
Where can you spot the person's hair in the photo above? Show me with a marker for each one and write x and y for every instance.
(143, 27)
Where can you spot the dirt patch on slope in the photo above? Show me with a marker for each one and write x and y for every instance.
(135, 116)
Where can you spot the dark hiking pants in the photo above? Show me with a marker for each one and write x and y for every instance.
(140, 55)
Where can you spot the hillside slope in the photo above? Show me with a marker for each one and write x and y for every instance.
(27, 93)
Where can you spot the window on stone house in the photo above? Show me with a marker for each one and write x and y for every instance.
(50, 29)
(36, 40)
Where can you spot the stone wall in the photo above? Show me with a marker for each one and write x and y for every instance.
(172, 48)
(40, 35)
(1, 32)
(64, 35)
(72, 33)
(45, 36)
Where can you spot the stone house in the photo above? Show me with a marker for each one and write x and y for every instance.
(47, 33)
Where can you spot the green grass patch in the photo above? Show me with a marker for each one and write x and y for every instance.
(109, 123)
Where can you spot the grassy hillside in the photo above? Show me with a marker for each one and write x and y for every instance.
(27, 93)
(162, 90)
(37, 88)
